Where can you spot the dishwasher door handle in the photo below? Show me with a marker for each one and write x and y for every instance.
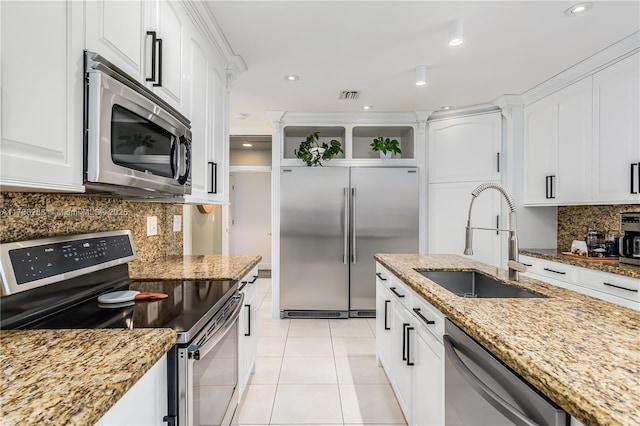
(483, 390)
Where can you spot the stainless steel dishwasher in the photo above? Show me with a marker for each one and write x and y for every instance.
(481, 391)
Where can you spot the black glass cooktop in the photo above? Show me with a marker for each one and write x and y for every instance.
(189, 305)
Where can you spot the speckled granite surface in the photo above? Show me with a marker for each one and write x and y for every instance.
(211, 267)
(25, 216)
(581, 352)
(556, 256)
(575, 221)
(73, 377)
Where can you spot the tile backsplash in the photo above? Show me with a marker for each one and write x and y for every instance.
(575, 221)
(25, 216)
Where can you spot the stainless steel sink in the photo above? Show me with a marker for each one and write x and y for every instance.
(476, 284)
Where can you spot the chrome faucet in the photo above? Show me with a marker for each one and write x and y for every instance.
(514, 266)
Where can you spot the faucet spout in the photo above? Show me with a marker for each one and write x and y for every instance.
(514, 266)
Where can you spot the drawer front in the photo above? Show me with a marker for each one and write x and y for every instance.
(428, 317)
(401, 292)
(557, 271)
(616, 285)
(532, 264)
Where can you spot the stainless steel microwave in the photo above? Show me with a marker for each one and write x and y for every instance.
(135, 143)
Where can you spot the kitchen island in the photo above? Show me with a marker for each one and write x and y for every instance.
(581, 352)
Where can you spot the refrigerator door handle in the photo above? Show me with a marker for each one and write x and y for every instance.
(345, 230)
(353, 226)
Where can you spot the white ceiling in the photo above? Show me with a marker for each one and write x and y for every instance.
(374, 47)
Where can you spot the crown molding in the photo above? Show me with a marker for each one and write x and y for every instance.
(606, 57)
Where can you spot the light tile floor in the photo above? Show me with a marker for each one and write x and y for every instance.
(316, 371)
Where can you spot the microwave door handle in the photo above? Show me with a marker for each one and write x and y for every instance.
(173, 160)
(182, 179)
(198, 352)
(483, 390)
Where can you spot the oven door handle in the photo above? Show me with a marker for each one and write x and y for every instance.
(485, 391)
(198, 352)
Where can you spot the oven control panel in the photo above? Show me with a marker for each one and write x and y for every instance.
(53, 259)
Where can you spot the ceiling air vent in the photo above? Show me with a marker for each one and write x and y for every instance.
(349, 95)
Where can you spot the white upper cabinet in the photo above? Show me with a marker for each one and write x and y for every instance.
(41, 108)
(117, 31)
(541, 160)
(582, 143)
(465, 149)
(170, 22)
(616, 132)
(145, 39)
(557, 140)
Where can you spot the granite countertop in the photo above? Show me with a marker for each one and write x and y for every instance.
(608, 266)
(583, 353)
(73, 377)
(213, 267)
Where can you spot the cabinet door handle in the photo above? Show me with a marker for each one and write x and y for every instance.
(393, 290)
(386, 313)
(255, 278)
(248, 333)
(153, 35)
(555, 272)
(409, 363)
(497, 224)
(498, 161)
(546, 187)
(213, 170)
(404, 340)
(526, 264)
(380, 276)
(159, 83)
(621, 288)
(632, 174)
(422, 317)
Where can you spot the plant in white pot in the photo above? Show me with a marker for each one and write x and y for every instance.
(311, 152)
(387, 147)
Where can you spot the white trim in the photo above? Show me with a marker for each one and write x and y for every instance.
(606, 57)
(242, 169)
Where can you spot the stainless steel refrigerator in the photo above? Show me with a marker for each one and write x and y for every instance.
(332, 221)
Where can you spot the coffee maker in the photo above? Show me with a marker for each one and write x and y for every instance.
(629, 244)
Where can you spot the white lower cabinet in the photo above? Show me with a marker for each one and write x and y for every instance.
(145, 403)
(409, 347)
(614, 288)
(247, 336)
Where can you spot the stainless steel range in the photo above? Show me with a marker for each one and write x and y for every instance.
(55, 283)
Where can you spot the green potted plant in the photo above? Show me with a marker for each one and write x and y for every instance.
(311, 152)
(386, 146)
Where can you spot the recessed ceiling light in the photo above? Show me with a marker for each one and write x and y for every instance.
(446, 107)
(241, 116)
(248, 145)
(291, 77)
(366, 107)
(577, 9)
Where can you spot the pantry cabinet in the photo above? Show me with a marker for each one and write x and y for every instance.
(581, 143)
(41, 83)
(463, 153)
(409, 347)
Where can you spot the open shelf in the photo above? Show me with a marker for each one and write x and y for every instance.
(293, 135)
(364, 135)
